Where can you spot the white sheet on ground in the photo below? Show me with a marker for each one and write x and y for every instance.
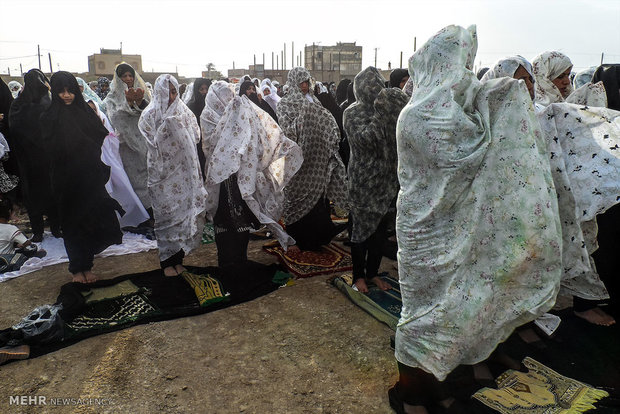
(56, 253)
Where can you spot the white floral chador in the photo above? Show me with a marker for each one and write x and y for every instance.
(174, 177)
(133, 148)
(240, 138)
(478, 230)
(583, 145)
(549, 65)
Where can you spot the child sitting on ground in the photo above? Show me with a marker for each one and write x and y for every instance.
(11, 237)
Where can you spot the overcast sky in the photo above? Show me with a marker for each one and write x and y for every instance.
(190, 33)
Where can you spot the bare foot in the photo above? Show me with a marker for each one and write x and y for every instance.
(597, 316)
(361, 285)
(179, 269)
(380, 283)
(79, 277)
(170, 271)
(90, 276)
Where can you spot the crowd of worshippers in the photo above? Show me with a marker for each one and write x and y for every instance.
(493, 185)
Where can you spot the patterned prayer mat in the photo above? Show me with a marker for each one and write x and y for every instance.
(383, 305)
(331, 259)
(208, 234)
(539, 391)
(85, 310)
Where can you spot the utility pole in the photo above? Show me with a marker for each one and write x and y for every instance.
(602, 56)
(284, 57)
(272, 61)
(277, 62)
(50, 56)
(21, 71)
(313, 56)
(401, 60)
(292, 55)
(414, 43)
(121, 51)
(376, 57)
(300, 58)
(39, 55)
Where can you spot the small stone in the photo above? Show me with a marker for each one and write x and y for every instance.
(184, 387)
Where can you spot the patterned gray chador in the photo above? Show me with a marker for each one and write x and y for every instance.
(322, 174)
(133, 147)
(370, 124)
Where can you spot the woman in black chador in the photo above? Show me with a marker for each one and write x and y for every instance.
(73, 135)
(31, 154)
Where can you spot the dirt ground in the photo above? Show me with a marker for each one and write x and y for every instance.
(301, 349)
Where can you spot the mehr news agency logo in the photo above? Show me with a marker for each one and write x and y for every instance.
(57, 401)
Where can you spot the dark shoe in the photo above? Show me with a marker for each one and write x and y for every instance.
(395, 402)
(57, 233)
(37, 238)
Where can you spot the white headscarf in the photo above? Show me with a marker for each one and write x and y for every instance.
(124, 118)
(584, 77)
(90, 95)
(189, 92)
(546, 67)
(15, 88)
(506, 68)
(174, 175)
(240, 138)
(272, 99)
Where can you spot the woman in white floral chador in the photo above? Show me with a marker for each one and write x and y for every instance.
(174, 177)
(478, 229)
(249, 162)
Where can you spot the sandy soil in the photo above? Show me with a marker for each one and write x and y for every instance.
(302, 349)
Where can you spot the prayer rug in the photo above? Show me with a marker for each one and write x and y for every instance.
(539, 391)
(208, 234)
(207, 289)
(85, 310)
(383, 305)
(331, 259)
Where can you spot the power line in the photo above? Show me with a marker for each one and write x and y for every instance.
(17, 57)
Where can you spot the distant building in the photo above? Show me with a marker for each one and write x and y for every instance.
(333, 63)
(104, 63)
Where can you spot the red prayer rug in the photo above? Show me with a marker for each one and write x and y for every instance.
(331, 259)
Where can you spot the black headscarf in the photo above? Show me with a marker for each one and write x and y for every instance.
(74, 135)
(254, 98)
(610, 75)
(341, 91)
(28, 144)
(481, 73)
(350, 97)
(245, 86)
(196, 105)
(197, 102)
(397, 76)
(6, 99)
(124, 68)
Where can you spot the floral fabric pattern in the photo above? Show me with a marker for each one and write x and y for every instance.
(583, 144)
(478, 229)
(241, 139)
(174, 178)
(548, 66)
(304, 120)
(370, 125)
